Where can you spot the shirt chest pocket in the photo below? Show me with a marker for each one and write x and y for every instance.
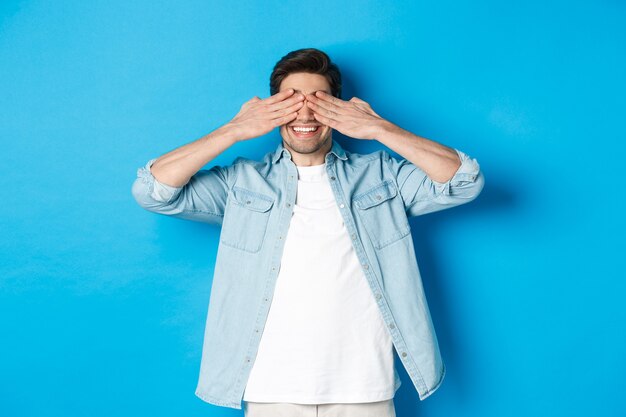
(245, 219)
(382, 213)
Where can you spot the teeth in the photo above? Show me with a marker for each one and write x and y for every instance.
(305, 129)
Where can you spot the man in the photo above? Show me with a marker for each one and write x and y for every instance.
(316, 280)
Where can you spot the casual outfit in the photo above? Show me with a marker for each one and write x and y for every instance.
(325, 340)
(316, 280)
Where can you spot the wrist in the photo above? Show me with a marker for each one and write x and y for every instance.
(384, 128)
(229, 133)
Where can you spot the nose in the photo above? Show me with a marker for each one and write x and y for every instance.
(305, 114)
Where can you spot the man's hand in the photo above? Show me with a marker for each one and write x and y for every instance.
(258, 117)
(354, 118)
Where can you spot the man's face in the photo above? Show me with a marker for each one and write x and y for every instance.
(319, 141)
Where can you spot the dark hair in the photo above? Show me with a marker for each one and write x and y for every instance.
(309, 60)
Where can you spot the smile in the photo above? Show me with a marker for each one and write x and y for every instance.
(304, 132)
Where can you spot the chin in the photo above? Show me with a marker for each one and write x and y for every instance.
(305, 145)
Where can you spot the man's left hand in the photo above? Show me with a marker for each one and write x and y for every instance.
(354, 118)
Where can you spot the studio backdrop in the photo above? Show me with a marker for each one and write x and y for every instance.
(103, 304)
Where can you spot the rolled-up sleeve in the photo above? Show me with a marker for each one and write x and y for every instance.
(422, 195)
(202, 199)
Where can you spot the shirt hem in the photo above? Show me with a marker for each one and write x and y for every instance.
(215, 401)
(426, 394)
(269, 398)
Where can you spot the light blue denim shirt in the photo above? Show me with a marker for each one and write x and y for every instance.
(253, 202)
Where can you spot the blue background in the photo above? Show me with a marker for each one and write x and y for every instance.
(102, 304)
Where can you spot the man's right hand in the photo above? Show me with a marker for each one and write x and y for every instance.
(258, 117)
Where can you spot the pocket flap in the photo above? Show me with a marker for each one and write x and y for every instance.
(252, 200)
(376, 195)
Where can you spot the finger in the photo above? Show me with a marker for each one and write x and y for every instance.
(282, 112)
(280, 96)
(298, 98)
(285, 119)
(326, 104)
(323, 110)
(325, 120)
(330, 98)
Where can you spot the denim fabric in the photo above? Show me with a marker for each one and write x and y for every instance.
(253, 202)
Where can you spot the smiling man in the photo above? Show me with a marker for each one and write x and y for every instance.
(316, 281)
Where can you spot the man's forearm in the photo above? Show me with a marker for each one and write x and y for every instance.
(440, 162)
(175, 168)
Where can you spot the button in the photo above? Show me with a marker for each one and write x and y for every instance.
(366, 266)
(332, 178)
(378, 197)
(248, 202)
(378, 296)
(266, 299)
(273, 268)
(404, 354)
(291, 176)
(353, 236)
(341, 206)
(280, 237)
(391, 326)
(288, 204)
(256, 330)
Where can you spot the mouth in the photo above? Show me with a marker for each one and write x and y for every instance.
(304, 132)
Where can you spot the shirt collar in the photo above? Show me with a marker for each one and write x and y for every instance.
(335, 149)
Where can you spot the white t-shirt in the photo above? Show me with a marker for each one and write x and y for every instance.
(324, 340)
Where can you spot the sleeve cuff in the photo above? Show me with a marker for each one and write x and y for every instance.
(466, 173)
(156, 189)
